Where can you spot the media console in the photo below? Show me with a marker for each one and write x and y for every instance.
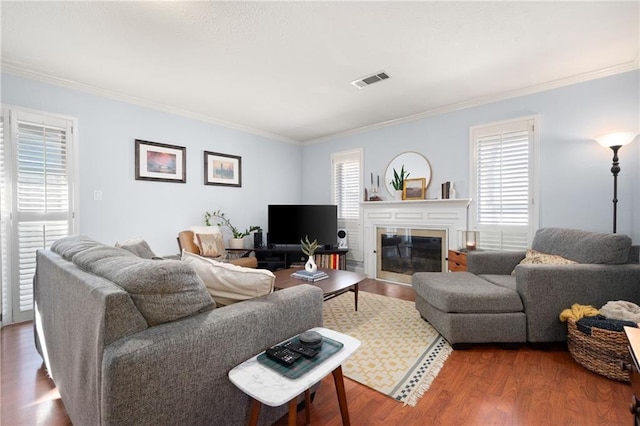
(286, 256)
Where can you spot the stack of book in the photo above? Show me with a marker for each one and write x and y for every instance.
(310, 276)
(448, 191)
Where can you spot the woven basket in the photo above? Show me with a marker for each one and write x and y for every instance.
(600, 352)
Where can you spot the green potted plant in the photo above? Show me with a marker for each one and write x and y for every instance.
(309, 248)
(398, 181)
(236, 242)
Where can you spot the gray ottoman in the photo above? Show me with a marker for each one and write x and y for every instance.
(465, 308)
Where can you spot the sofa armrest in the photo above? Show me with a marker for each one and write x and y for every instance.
(546, 290)
(179, 370)
(493, 262)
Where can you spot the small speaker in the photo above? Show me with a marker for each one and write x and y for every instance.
(257, 240)
(342, 238)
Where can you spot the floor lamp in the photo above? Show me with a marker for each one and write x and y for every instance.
(615, 141)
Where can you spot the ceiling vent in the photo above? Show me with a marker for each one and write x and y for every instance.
(367, 81)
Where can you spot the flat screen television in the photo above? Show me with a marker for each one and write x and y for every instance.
(289, 223)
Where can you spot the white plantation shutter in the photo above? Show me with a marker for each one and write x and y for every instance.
(494, 239)
(41, 199)
(4, 228)
(502, 182)
(347, 172)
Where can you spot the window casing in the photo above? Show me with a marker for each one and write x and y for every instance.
(346, 195)
(503, 184)
(38, 199)
(4, 228)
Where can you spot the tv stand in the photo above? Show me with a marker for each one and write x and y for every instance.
(284, 256)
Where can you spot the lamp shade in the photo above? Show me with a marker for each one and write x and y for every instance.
(616, 138)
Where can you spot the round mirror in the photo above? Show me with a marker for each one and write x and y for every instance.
(414, 163)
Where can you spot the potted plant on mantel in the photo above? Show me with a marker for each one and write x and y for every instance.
(237, 242)
(398, 182)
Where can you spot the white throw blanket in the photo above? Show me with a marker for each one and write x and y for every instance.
(621, 310)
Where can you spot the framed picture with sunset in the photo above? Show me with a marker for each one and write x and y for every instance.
(222, 169)
(160, 162)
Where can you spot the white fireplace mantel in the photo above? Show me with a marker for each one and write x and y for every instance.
(449, 215)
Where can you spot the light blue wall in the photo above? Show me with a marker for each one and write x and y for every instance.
(575, 181)
(157, 211)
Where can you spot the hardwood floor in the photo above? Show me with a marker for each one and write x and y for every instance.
(480, 386)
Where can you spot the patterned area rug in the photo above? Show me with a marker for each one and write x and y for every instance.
(401, 353)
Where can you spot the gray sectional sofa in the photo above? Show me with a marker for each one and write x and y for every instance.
(152, 349)
(499, 300)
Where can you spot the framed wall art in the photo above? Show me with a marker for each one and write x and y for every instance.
(160, 162)
(414, 189)
(222, 169)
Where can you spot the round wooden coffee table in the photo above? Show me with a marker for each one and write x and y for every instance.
(339, 281)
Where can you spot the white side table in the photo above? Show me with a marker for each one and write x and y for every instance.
(269, 387)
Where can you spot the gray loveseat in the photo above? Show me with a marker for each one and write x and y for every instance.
(157, 354)
(490, 304)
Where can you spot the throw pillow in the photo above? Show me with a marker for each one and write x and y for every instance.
(162, 291)
(534, 257)
(139, 247)
(229, 283)
(208, 230)
(209, 244)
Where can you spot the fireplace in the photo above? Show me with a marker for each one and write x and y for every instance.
(403, 251)
(403, 237)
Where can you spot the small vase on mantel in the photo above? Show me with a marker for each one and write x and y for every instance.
(398, 195)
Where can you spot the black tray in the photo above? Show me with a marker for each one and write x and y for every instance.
(302, 365)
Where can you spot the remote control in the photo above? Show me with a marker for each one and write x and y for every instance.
(282, 355)
(301, 349)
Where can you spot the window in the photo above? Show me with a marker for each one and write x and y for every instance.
(4, 230)
(37, 178)
(347, 171)
(502, 184)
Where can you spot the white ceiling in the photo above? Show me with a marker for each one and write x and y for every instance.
(283, 69)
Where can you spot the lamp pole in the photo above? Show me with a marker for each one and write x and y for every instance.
(615, 169)
(615, 141)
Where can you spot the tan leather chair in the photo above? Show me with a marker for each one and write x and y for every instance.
(185, 242)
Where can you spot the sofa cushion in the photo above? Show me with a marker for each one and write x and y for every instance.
(69, 246)
(229, 283)
(139, 247)
(583, 246)
(464, 292)
(163, 291)
(506, 281)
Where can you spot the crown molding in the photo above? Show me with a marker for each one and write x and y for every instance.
(549, 85)
(19, 71)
